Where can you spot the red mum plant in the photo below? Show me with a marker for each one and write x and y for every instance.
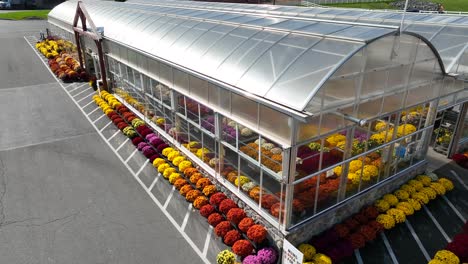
(207, 210)
(245, 224)
(361, 218)
(298, 206)
(137, 140)
(368, 232)
(152, 158)
(351, 223)
(231, 237)
(357, 240)
(461, 160)
(217, 198)
(117, 120)
(235, 215)
(459, 246)
(222, 228)
(341, 230)
(161, 147)
(378, 227)
(370, 212)
(214, 219)
(276, 209)
(111, 114)
(268, 200)
(122, 125)
(226, 205)
(257, 233)
(242, 248)
(130, 118)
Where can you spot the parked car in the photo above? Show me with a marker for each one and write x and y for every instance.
(5, 4)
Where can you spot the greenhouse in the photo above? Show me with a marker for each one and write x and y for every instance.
(302, 118)
(446, 32)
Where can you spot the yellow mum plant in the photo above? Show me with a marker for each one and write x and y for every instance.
(355, 165)
(402, 195)
(415, 204)
(162, 167)
(167, 150)
(308, 251)
(420, 197)
(438, 188)
(431, 194)
(446, 257)
(391, 199)
(382, 205)
(386, 220)
(446, 183)
(408, 188)
(337, 170)
(424, 179)
(397, 214)
(417, 185)
(405, 207)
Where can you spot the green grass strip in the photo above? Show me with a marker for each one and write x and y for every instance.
(21, 15)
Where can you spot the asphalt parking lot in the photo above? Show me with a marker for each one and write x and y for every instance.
(64, 196)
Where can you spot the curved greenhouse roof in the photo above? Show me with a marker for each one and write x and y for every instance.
(284, 60)
(446, 32)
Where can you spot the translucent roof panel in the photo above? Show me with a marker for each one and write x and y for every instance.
(282, 60)
(414, 22)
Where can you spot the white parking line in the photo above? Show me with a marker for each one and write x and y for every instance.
(81, 92)
(357, 254)
(418, 241)
(459, 179)
(389, 248)
(202, 255)
(79, 101)
(123, 144)
(103, 115)
(437, 224)
(102, 129)
(166, 203)
(87, 104)
(115, 134)
(186, 217)
(454, 208)
(88, 114)
(207, 241)
(76, 88)
(131, 155)
(154, 182)
(142, 167)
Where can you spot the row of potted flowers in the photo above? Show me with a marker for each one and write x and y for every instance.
(62, 59)
(342, 239)
(230, 222)
(456, 251)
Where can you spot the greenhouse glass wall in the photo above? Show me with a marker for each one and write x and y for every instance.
(295, 116)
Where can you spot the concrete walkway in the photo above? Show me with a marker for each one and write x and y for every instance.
(64, 196)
